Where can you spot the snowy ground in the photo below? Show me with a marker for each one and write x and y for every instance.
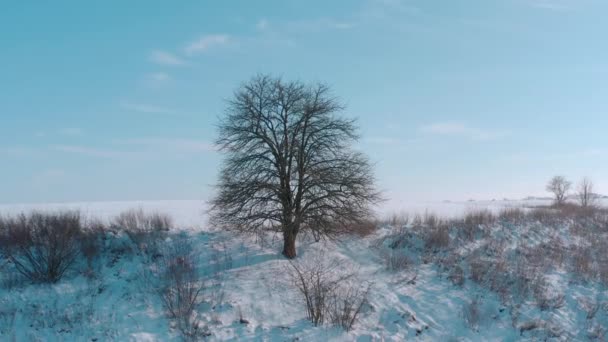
(250, 280)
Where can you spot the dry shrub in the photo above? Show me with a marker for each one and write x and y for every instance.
(602, 267)
(417, 221)
(512, 215)
(363, 228)
(479, 217)
(43, 246)
(456, 275)
(436, 237)
(596, 332)
(181, 287)
(397, 220)
(91, 245)
(400, 238)
(545, 216)
(499, 278)
(545, 300)
(522, 277)
(479, 269)
(582, 263)
(345, 308)
(431, 220)
(327, 292)
(397, 260)
(539, 257)
(317, 282)
(144, 230)
(471, 314)
(590, 307)
(530, 325)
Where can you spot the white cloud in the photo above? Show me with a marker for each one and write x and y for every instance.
(262, 24)
(166, 58)
(177, 144)
(17, 151)
(145, 108)
(72, 131)
(460, 129)
(319, 25)
(206, 42)
(553, 5)
(556, 5)
(158, 77)
(87, 151)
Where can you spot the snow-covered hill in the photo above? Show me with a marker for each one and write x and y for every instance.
(248, 295)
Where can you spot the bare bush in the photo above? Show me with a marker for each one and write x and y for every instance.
(91, 245)
(545, 216)
(144, 230)
(582, 263)
(479, 269)
(431, 220)
(472, 314)
(345, 308)
(181, 288)
(456, 275)
(479, 217)
(397, 220)
(512, 215)
(43, 246)
(417, 221)
(590, 307)
(436, 237)
(7, 322)
(397, 260)
(545, 300)
(318, 282)
(362, 228)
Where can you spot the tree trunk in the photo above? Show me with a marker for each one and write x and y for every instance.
(289, 245)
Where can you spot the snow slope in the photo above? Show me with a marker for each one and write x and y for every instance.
(249, 279)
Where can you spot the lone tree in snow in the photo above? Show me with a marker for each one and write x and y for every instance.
(288, 165)
(559, 186)
(585, 193)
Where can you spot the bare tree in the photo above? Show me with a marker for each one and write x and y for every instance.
(289, 165)
(585, 192)
(559, 186)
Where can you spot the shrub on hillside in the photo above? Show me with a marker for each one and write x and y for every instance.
(436, 237)
(512, 215)
(91, 245)
(396, 260)
(363, 228)
(181, 287)
(345, 308)
(328, 294)
(144, 230)
(471, 314)
(42, 246)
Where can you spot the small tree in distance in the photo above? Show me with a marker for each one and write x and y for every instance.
(585, 192)
(289, 166)
(559, 186)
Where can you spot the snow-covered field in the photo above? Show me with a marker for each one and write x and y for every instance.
(248, 279)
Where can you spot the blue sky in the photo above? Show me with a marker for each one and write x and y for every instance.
(118, 100)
